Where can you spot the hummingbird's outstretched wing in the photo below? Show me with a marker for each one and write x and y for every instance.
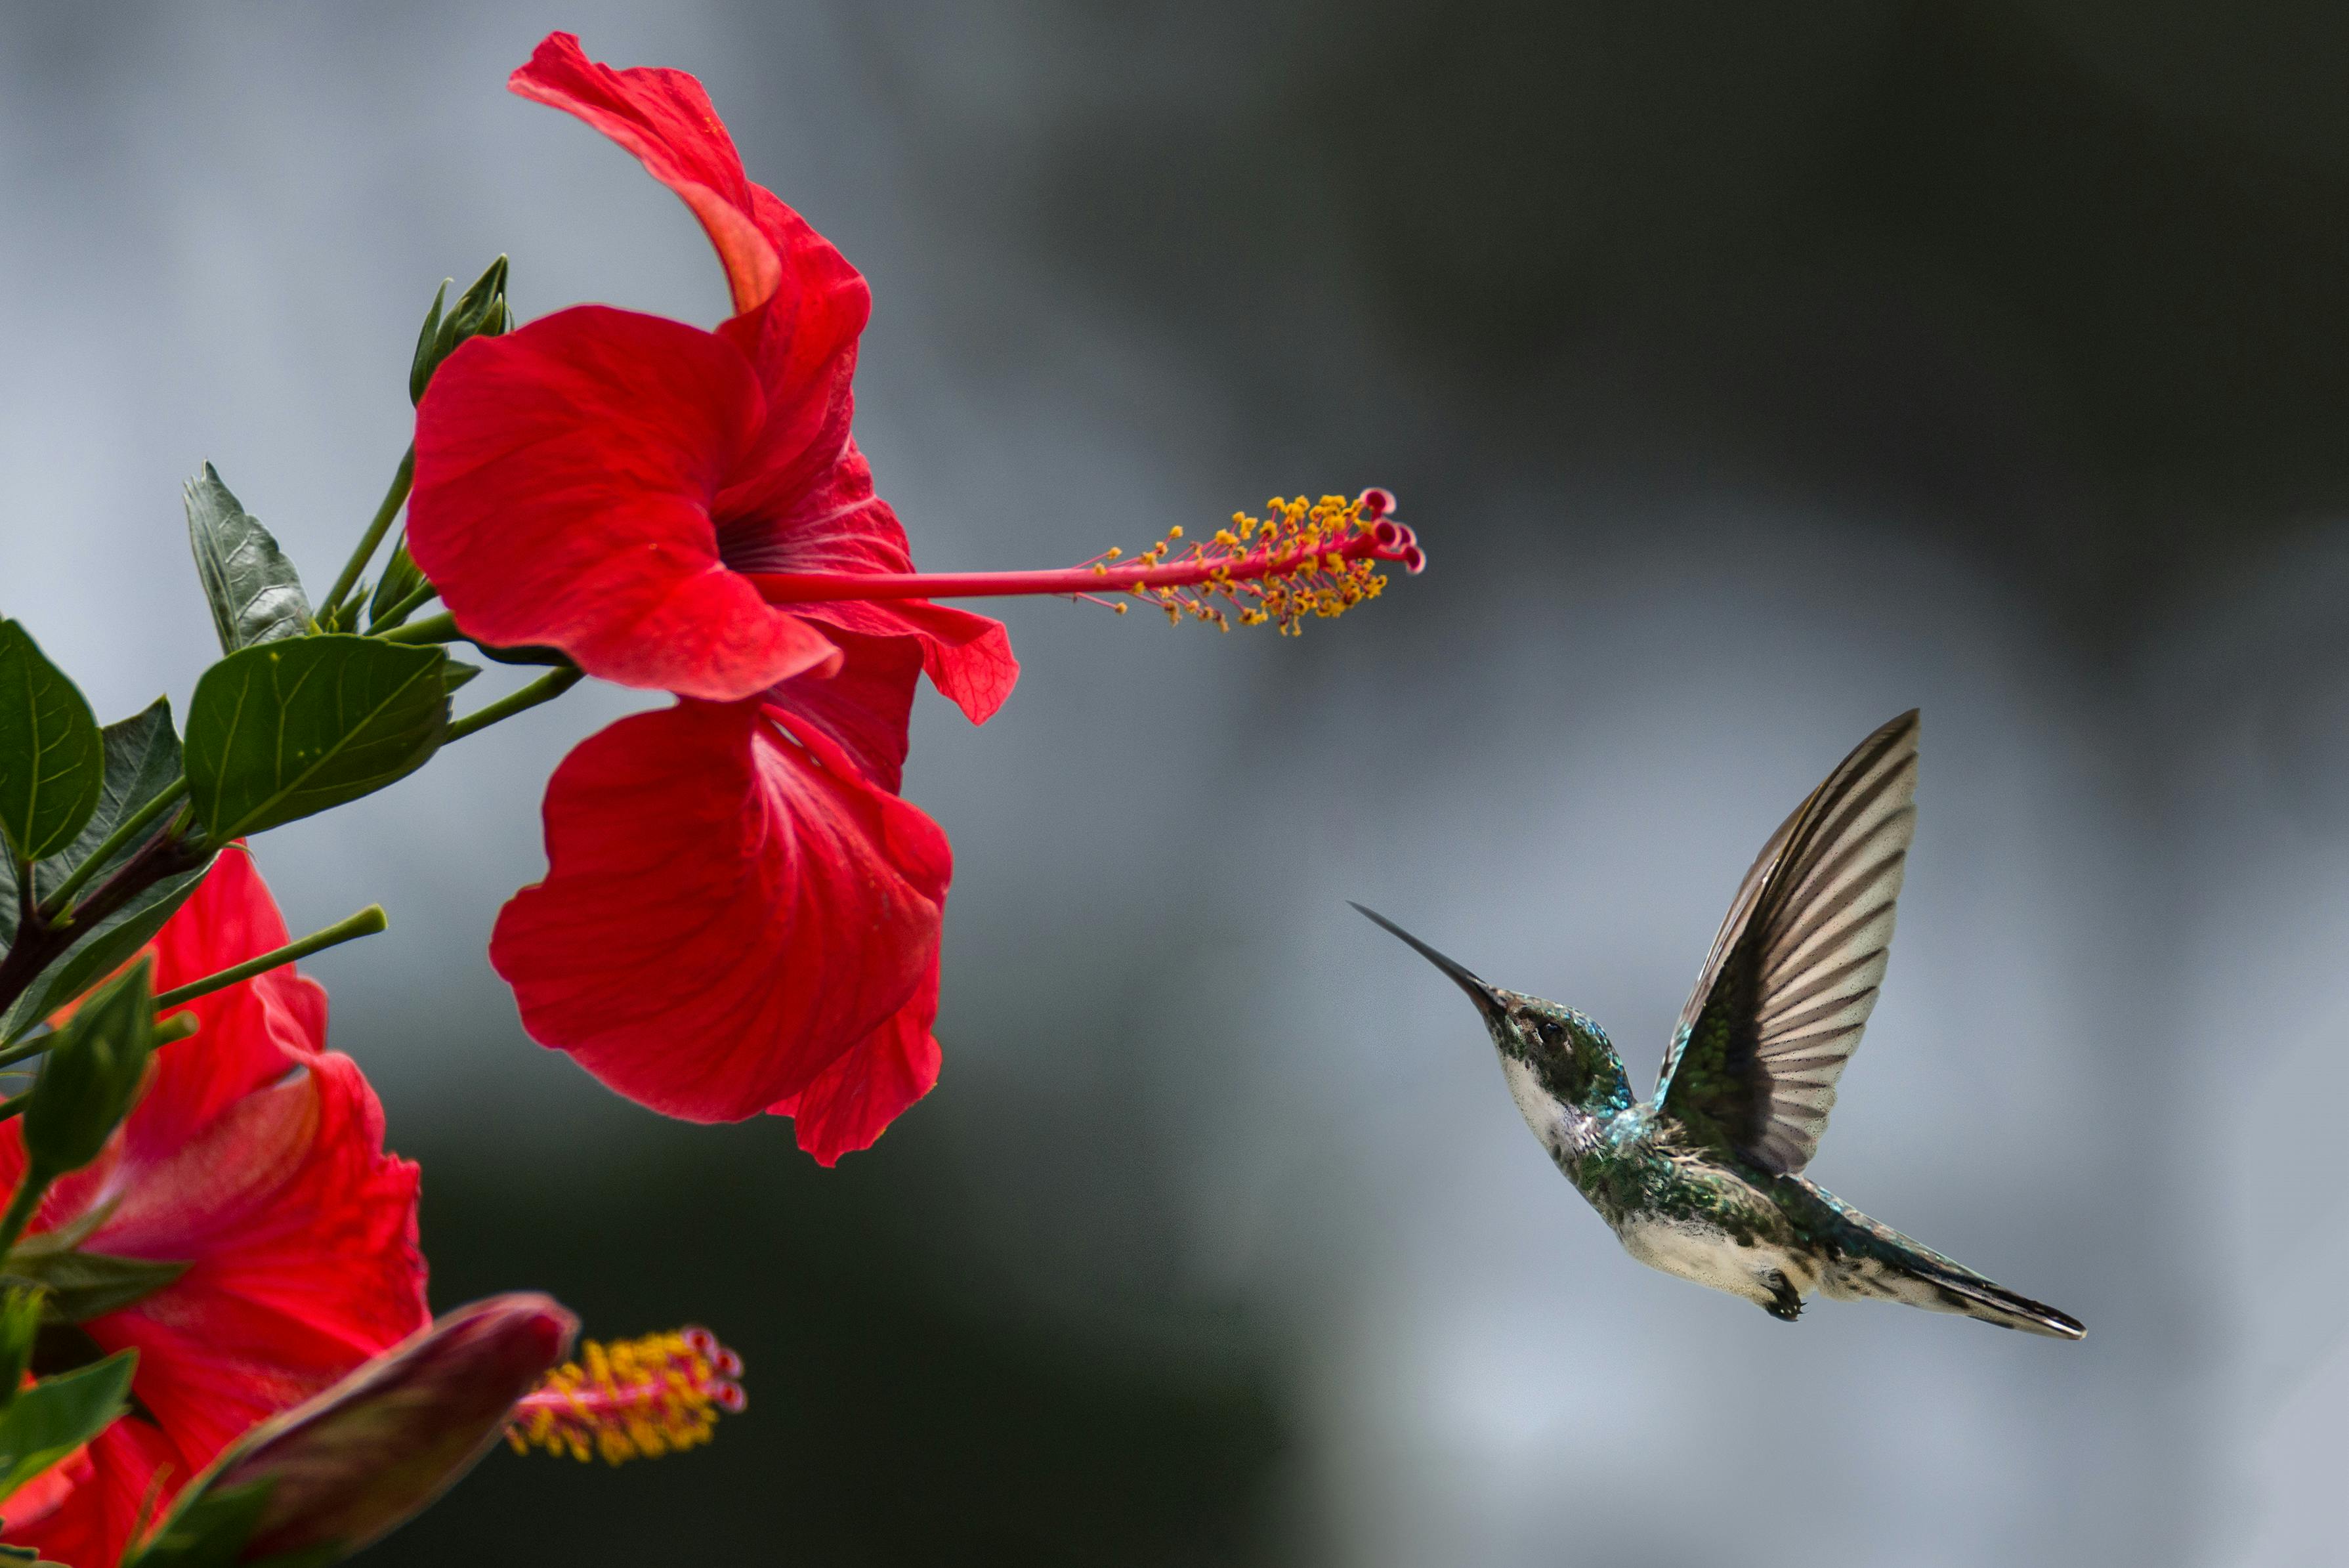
(1793, 974)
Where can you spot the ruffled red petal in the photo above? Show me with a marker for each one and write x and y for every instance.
(666, 119)
(799, 307)
(852, 1102)
(257, 1159)
(726, 909)
(563, 478)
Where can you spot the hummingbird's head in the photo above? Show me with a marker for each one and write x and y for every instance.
(1566, 1054)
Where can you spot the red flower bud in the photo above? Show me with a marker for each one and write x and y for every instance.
(346, 1467)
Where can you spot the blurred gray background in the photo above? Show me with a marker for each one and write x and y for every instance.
(1752, 374)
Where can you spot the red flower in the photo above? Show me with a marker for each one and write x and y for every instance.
(737, 914)
(255, 1158)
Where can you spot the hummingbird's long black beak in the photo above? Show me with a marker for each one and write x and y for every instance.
(1488, 1001)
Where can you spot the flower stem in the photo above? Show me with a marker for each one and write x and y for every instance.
(129, 828)
(365, 923)
(440, 627)
(378, 526)
(545, 689)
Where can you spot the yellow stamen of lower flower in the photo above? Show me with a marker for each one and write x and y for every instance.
(635, 1398)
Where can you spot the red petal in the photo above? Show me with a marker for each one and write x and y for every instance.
(852, 1102)
(810, 304)
(968, 657)
(563, 477)
(251, 1030)
(302, 1234)
(725, 912)
(666, 120)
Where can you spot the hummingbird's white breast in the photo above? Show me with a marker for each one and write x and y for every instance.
(1711, 1257)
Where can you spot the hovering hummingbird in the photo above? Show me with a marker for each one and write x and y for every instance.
(1706, 1181)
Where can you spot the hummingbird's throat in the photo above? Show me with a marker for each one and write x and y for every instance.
(1302, 559)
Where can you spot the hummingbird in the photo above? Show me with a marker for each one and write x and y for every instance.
(1705, 1180)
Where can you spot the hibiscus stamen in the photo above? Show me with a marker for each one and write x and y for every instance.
(636, 1399)
(1301, 559)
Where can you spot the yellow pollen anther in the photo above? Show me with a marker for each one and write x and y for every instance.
(636, 1398)
(1302, 559)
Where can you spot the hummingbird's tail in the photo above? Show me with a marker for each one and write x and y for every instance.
(1878, 1263)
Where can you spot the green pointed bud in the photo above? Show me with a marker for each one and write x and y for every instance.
(20, 1321)
(328, 1477)
(91, 1075)
(479, 312)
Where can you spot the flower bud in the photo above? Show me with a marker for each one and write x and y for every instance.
(91, 1075)
(332, 1475)
(479, 312)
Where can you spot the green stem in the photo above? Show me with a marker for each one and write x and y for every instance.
(431, 628)
(29, 1193)
(14, 1106)
(365, 923)
(413, 600)
(166, 1031)
(129, 828)
(378, 526)
(545, 689)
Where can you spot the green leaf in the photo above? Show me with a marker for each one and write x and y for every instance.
(20, 1326)
(90, 1075)
(58, 1415)
(51, 759)
(283, 730)
(142, 759)
(254, 591)
(456, 672)
(401, 577)
(82, 1285)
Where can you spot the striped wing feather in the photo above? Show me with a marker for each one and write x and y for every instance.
(1793, 975)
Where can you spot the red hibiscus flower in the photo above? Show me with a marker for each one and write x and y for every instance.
(255, 1158)
(739, 914)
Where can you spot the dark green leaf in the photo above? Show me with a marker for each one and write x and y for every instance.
(456, 672)
(283, 731)
(58, 1415)
(401, 577)
(142, 759)
(82, 1285)
(20, 1324)
(51, 759)
(91, 1074)
(254, 593)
